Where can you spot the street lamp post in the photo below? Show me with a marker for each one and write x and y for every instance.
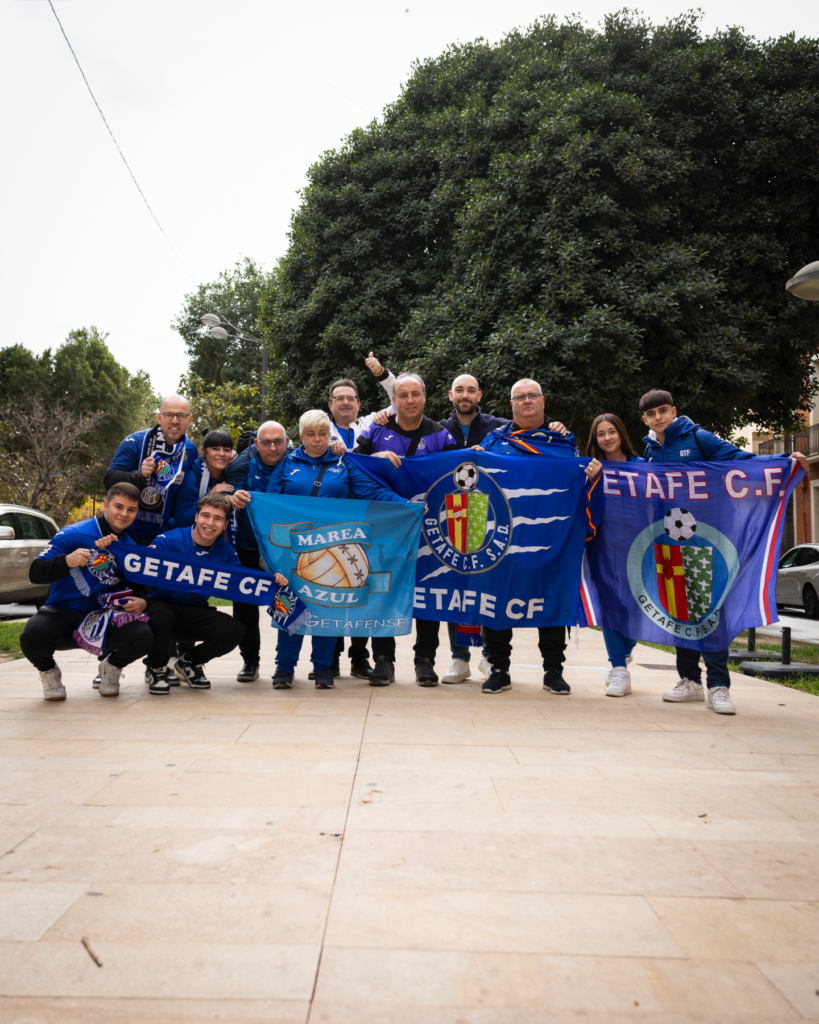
(805, 284)
(216, 329)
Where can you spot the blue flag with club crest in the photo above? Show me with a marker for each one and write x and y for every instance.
(687, 555)
(503, 535)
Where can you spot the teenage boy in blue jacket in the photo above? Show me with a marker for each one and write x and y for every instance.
(187, 616)
(673, 438)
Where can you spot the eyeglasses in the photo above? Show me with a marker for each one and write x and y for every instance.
(176, 415)
(276, 444)
(345, 398)
(531, 396)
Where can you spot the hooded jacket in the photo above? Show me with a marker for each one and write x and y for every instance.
(297, 472)
(686, 441)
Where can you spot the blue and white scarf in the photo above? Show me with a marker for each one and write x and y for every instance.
(102, 572)
(288, 611)
(170, 458)
(92, 631)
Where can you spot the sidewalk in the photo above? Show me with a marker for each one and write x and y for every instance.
(408, 855)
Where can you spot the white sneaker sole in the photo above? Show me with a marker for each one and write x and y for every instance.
(690, 698)
(722, 711)
(610, 692)
(54, 695)
(452, 681)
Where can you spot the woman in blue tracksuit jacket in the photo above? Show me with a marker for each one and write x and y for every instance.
(313, 470)
(609, 442)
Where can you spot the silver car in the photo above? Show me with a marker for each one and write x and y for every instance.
(797, 581)
(24, 532)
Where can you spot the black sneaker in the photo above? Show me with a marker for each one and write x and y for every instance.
(157, 680)
(97, 681)
(360, 668)
(248, 672)
(384, 672)
(425, 672)
(193, 675)
(335, 669)
(283, 681)
(324, 679)
(554, 682)
(497, 682)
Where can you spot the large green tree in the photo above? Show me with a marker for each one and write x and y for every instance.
(607, 211)
(94, 402)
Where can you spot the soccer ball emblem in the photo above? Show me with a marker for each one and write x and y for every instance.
(346, 565)
(466, 476)
(679, 524)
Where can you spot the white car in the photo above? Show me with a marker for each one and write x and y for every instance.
(24, 532)
(797, 581)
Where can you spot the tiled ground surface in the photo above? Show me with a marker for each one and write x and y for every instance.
(408, 855)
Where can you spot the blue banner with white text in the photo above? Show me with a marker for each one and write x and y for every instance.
(351, 562)
(503, 535)
(688, 555)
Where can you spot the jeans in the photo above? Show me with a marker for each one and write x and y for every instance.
(618, 647)
(248, 614)
(716, 666)
(52, 629)
(550, 639)
(288, 649)
(218, 633)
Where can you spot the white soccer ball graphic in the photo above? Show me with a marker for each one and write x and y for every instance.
(466, 476)
(680, 524)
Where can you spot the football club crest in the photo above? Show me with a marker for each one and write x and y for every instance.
(332, 567)
(680, 572)
(103, 567)
(469, 529)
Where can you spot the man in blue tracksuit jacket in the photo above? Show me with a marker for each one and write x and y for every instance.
(673, 438)
(250, 472)
(155, 462)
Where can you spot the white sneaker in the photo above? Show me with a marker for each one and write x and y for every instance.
(685, 690)
(484, 666)
(52, 681)
(458, 671)
(719, 701)
(109, 678)
(619, 682)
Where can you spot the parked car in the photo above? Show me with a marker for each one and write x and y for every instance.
(24, 532)
(797, 581)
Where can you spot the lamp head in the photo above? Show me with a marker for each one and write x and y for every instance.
(805, 284)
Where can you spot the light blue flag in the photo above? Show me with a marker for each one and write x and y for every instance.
(351, 562)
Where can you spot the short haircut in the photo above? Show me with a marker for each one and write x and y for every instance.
(314, 419)
(343, 382)
(217, 439)
(524, 380)
(593, 448)
(123, 490)
(217, 500)
(414, 376)
(651, 399)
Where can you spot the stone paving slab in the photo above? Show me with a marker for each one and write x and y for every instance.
(406, 854)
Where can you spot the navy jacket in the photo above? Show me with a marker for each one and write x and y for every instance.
(478, 428)
(183, 504)
(686, 441)
(247, 472)
(182, 541)
(296, 473)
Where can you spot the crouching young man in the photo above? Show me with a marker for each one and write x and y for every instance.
(85, 580)
(187, 616)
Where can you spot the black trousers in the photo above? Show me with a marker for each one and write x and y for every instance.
(218, 633)
(550, 639)
(357, 649)
(248, 614)
(425, 646)
(52, 629)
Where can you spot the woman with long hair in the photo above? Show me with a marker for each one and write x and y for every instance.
(609, 442)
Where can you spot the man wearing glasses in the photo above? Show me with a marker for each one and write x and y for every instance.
(155, 461)
(250, 472)
(345, 406)
(529, 433)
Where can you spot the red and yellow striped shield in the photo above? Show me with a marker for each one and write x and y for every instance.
(671, 581)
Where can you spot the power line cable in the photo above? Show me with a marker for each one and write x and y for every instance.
(113, 139)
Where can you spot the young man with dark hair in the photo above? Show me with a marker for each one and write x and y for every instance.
(187, 616)
(406, 434)
(85, 580)
(673, 438)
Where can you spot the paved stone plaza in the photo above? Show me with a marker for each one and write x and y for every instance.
(408, 855)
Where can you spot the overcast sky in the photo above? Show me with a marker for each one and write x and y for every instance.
(219, 108)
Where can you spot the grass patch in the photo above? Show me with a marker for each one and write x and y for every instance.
(10, 638)
(219, 602)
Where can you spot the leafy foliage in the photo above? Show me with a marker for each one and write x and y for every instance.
(606, 211)
(218, 406)
(235, 297)
(80, 383)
